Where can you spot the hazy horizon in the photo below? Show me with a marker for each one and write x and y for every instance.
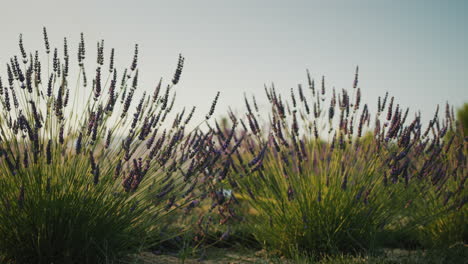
(414, 50)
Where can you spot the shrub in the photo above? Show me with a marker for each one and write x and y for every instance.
(319, 196)
(442, 207)
(89, 174)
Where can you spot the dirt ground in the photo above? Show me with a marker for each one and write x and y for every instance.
(212, 256)
(250, 256)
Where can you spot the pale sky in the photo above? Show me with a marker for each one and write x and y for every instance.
(417, 50)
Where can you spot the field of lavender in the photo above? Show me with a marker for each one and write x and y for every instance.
(98, 170)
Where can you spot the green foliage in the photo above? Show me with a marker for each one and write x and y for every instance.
(443, 204)
(462, 117)
(63, 218)
(338, 202)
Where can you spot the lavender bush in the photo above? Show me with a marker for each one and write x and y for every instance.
(324, 176)
(92, 169)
